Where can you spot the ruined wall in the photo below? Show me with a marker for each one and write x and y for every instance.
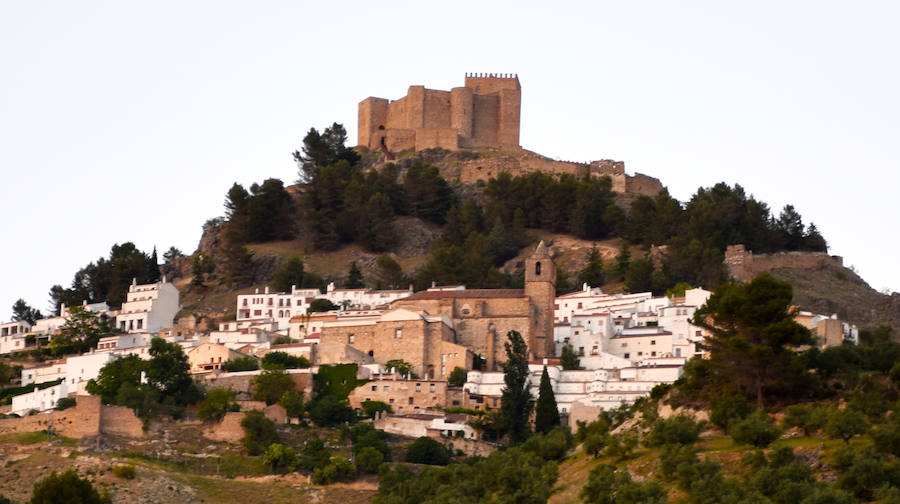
(87, 418)
(471, 447)
(743, 265)
(228, 430)
(242, 383)
(642, 184)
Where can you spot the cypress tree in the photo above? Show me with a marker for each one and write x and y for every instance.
(515, 402)
(546, 414)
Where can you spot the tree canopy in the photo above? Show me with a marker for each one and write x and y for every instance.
(516, 401)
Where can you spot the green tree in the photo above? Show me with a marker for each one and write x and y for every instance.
(329, 410)
(427, 194)
(623, 261)
(592, 273)
(202, 266)
(401, 367)
(639, 277)
(425, 450)
(610, 485)
(236, 264)
(516, 401)
(21, 311)
(323, 149)
(678, 429)
(457, 377)
(289, 274)
(218, 401)
(271, 385)
(569, 357)
(752, 336)
(169, 371)
(355, 278)
(846, 423)
(67, 488)
(279, 458)
(292, 402)
(376, 224)
(370, 408)
(546, 412)
(388, 273)
(259, 432)
(114, 374)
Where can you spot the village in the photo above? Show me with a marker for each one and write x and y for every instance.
(623, 344)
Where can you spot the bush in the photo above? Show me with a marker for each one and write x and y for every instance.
(425, 450)
(338, 469)
(607, 485)
(845, 423)
(675, 457)
(372, 407)
(218, 401)
(65, 403)
(369, 459)
(725, 409)
(124, 471)
(241, 364)
(259, 432)
(679, 429)
(328, 411)
(283, 360)
(757, 430)
(67, 487)
(271, 385)
(280, 458)
(551, 446)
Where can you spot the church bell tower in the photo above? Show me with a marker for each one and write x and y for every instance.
(540, 286)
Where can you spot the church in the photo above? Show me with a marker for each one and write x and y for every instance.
(444, 327)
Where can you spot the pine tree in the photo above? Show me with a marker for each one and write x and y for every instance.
(355, 278)
(592, 274)
(546, 413)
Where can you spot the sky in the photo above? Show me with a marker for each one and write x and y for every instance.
(129, 121)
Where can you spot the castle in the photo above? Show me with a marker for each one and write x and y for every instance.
(483, 113)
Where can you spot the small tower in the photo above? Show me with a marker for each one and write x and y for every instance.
(540, 286)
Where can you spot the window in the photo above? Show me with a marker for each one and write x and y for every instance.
(431, 387)
(652, 354)
(410, 400)
(624, 345)
(351, 338)
(537, 268)
(386, 388)
(398, 333)
(653, 342)
(418, 387)
(677, 352)
(640, 354)
(374, 388)
(391, 401)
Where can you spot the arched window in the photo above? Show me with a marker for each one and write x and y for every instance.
(537, 268)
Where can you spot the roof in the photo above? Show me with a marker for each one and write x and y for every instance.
(464, 294)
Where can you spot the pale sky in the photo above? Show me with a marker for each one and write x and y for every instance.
(127, 121)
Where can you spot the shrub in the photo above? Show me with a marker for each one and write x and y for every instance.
(280, 458)
(757, 429)
(67, 487)
(369, 459)
(283, 360)
(675, 458)
(372, 407)
(725, 409)
(457, 377)
(271, 385)
(241, 364)
(425, 450)
(218, 401)
(328, 411)
(551, 446)
(679, 429)
(65, 403)
(338, 469)
(124, 471)
(845, 423)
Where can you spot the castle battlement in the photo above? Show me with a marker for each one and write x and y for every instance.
(483, 113)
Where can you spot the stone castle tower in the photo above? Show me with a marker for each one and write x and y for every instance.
(540, 286)
(485, 112)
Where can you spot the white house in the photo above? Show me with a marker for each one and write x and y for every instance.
(82, 368)
(43, 374)
(12, 336)
(148, 307)
(39, 400)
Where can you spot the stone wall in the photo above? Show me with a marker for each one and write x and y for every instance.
(743, 265)
(242, 383)
(87, 418)
(470, 447)
(228, 430)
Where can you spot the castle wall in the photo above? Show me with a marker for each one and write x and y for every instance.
(436, 110)
(743, 265)
(462, 106)
(642, 184)
(432, 138)
(508, 121)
